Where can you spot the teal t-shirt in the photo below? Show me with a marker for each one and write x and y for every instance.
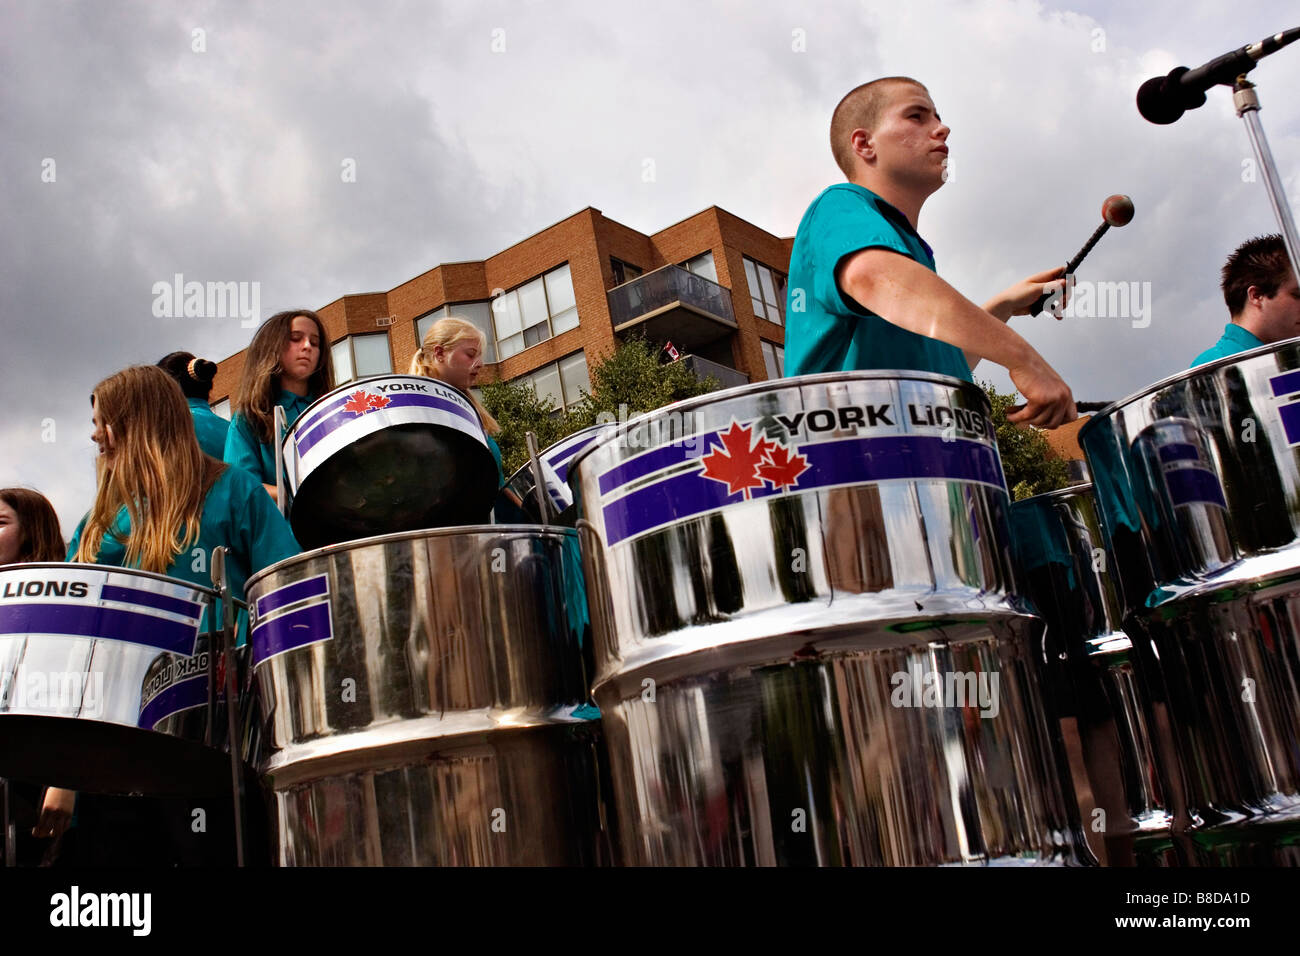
(210, 428)
(244, 450)
(826, 330)
(496, 456)
(237, 514)
(1234, 339)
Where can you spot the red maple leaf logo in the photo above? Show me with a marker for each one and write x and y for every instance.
(360, 402)
(782, 468)
(736, 463)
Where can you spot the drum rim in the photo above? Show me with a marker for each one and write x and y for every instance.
(204, 589)
(1078, 488)
(533, 530)
(767, 385)
(527, 467)
(1188, 373)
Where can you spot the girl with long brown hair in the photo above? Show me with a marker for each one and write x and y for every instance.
(287, 364)
(29, 528)
(452, 352)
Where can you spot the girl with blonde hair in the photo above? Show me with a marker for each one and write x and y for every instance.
(452, 352)
(287, 364)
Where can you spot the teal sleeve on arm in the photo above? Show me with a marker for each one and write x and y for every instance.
(843, 224)
(76, 539)
(496, 456)
(243, 450)
(266, 535)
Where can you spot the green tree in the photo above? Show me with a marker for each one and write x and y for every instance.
(624, 384)
(1031, 467)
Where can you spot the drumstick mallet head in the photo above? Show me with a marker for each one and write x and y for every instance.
(1117, 210)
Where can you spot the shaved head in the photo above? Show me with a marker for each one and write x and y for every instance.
(861, 109)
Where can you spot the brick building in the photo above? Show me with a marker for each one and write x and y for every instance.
(713, 285)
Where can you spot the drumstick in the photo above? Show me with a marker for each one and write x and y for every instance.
(1117, 210)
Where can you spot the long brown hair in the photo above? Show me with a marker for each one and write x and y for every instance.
(41, 539)
(156, 469)
(259, 386)
(447, 333)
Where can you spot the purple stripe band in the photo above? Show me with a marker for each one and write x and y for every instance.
(1287, 383)
(292, 630)
(1290, 415)
(183, 695)
(339, 419)
(85, 620)
(291, 593)
(1179, 451)
(849, 462)
(111, 592)
(656, 460)
(1194, 486)
(560, 461)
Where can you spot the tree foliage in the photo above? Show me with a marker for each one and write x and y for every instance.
(624, 384)
(1030, 464)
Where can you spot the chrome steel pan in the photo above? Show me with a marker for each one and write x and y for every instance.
(423, 702)
(387, 454)
(520, 494)
(799, 591)
(104, 682)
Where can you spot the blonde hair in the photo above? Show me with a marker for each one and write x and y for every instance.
(860, 109)
(260, 383)
(156, 470)
(447, 334)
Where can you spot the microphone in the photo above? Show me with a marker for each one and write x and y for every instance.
(1164, 99)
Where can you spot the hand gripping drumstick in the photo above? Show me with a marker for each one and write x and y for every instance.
(1117, 210)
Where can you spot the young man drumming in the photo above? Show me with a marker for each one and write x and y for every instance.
(863, 292)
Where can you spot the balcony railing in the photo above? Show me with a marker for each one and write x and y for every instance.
(666, 288)
(727, 377)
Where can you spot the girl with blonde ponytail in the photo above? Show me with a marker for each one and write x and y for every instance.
(452, 352)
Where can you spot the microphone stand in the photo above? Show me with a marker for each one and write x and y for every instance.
(1246, 101)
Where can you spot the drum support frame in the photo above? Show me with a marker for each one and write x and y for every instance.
(227, 652)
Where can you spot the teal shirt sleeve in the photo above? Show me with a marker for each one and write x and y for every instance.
(844, 223)
(244, 451)
(210, 428)
(496, 456)
(264, 534)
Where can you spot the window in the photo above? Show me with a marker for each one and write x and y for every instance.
(766, 291)
(563, 382)
(774, 360)
(222, 408)
(358, 356)
(480, 313)
(535, 311)
(624, 271)
(703, 266)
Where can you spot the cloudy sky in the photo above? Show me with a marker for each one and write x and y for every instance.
(142, 140)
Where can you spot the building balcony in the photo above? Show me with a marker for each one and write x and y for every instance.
(673, 305)
(727, 377)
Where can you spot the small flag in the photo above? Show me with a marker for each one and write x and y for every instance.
(672, 352)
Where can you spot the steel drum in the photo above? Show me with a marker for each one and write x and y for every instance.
(1089, 679)
(387, 454)
(809, 645)
(422, 703)
(104, 682)
(520, 492)
(1197, 478)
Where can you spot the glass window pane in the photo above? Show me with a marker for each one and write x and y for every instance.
(222, 409)
(559, 290)
(780, 358)
(505, 313)
(759, 309)
(703, 266)
(423, 323)
(341, 353)
(565, 321)
(372, 356)
(532, 302)
(535, 334)
(765, 280)
(751, 279)
(480, 313)
(573, 373)
(511, 346)
(769, 361)
(547, 382)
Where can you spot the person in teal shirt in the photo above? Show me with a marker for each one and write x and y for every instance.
(194, 376)
(863, 293)
(1259, 288)
(287, 364)
(167, 514)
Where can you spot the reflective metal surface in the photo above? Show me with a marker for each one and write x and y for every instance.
(809, 648)
(387, 454)
(1090, 686)
(104, 682)
(520, 491)
(423, 702)
(1197, 477)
